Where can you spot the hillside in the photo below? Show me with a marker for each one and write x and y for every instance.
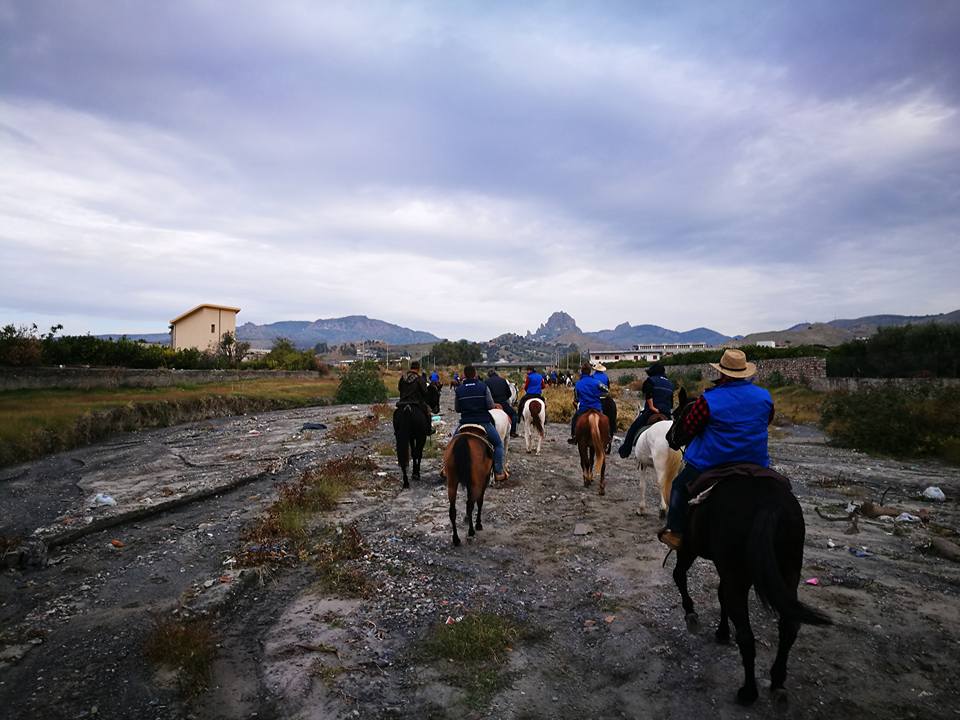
(840, 331)
(352, 328)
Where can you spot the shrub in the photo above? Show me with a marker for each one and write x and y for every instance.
(929, 350)
(905, 421)
(626, 379)
(19, 346)
(775, 380)
(362, 383)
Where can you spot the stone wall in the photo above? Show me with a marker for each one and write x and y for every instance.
(88, 378)
(803, 370)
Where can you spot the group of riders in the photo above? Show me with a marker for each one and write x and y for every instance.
(726, 424)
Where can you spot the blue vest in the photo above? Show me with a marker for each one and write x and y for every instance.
(602, 378)
(737, 428)
(662, 394)
(535, 386)
(472, 401)
(588, 393)
(434, 377)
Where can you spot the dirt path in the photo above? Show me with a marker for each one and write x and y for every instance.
(604, 633)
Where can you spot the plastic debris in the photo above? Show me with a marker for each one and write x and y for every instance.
(831, 543)
(117, 543)
(103, 499)
(314, 426)
(907, 517)
(812, 581)
(254, 432)
(934, 493)
(860, 552)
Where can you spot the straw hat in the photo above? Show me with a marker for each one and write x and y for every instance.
(734, 364)
(598, 366)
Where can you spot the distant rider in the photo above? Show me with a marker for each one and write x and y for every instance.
(500, 390)
(532, 388)
(473, 401)
(657, 399)
(413, 391)
(728, 424)
(586, 393)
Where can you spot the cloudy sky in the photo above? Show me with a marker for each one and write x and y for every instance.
(467, 168)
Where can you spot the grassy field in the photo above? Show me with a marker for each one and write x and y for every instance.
(36, 422)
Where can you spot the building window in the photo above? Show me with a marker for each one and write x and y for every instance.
(213, 328)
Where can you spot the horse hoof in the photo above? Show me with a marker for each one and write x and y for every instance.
(456, 541)
(693, 622)
(471, 532)
(479, 526)
(722, 637)
(780, 701)
(663, 513)
(642, 511)
(406, 485)
(746, 696)
(601, 491)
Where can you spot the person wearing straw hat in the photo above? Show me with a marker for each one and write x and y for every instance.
(728, 424)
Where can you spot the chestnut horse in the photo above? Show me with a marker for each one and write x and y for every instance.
(467, 461)
(593, 435)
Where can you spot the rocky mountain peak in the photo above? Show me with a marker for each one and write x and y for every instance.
(558, 324)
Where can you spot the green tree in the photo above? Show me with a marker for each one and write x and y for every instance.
(461, 352)
(362, 383)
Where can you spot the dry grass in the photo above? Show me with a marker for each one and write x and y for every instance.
(332, 560)
(346, 430)
(382, 410)
(797, 405)
(188, 647)
(559, 404)
(36, 422)
(281, 534)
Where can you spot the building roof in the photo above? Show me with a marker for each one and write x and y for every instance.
(201, 307)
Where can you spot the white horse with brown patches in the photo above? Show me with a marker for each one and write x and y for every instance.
(535, 417)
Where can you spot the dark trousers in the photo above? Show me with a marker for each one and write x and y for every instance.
(679, 497)
(511, 413)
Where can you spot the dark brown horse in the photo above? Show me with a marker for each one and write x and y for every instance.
(467, 461)
(593, 436)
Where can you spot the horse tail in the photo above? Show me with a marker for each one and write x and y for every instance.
(765, 566)
(402, 430)
(463, 462)
(534, 407)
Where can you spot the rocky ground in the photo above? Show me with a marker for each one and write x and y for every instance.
(601, 632)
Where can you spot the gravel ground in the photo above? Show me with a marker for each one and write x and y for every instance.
(605, 631)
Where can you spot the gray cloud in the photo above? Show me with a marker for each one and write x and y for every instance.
(305, 161)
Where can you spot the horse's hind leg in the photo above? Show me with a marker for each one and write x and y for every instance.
(479, 525)
(735, 597)
(778, 673)
(453, 519)
(469, 517)
(722, 634)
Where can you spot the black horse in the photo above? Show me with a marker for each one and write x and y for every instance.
(751, 527)
(410, 426)
(433, 396)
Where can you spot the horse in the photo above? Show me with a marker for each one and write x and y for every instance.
(652, 450)
(593, 434)
(534, 415)
(610, 410)
(501, 421)
(467, 461)
(752, 528)
(410, 427)
(514, 394)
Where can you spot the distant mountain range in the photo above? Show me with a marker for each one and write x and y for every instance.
(559, 333)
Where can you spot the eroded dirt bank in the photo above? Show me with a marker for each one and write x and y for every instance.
(604, 633)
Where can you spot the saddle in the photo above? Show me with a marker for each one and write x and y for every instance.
(477, 431)
(700, 489)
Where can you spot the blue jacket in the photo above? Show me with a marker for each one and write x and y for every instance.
(534, 384)
(473, 401)
(587, 392)
(662, 393)
(602, 378)
(434, 377)
(736, 430)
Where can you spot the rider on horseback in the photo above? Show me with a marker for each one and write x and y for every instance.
(532, 388)
(657, 400)
(728, 424)
(413, 391)
(586, 393)
(474, 402)
(500, 390)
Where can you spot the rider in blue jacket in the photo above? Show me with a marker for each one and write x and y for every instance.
(587, 394)
(474, 403)
(657, 399)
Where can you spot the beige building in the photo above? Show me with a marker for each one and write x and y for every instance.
(202, 327)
